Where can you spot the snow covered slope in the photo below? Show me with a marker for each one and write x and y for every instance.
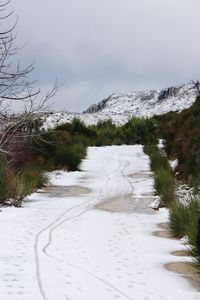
(121, 107)
(147, 103)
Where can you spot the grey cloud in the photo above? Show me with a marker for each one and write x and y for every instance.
(99, 47)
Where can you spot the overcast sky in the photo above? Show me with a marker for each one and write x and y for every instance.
(97, 47)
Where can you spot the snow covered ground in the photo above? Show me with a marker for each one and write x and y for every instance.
(71, 241)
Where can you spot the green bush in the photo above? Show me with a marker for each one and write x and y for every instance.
(69, 156)
(106, 133)
(139, 131)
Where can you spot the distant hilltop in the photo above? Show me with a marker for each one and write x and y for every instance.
(147, 103)
(121, 107)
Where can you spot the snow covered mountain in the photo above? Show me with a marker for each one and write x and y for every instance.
(147, 103)
(121, 107)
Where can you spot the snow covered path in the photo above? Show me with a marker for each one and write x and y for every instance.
(89, 236)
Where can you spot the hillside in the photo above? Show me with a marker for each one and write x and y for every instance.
(181, 133)
(121, 107)
(147, 103)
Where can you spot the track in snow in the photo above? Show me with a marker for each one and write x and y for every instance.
(65, 248)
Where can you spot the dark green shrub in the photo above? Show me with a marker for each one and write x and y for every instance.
(139, 131)
(106, 133)
(69, 156)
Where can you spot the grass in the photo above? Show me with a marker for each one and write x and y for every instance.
(158, 160)
(184, 221)
(164, 179)
(179, 219)
(31, 178)
(9, 185)
(165, 185)
(192, 229)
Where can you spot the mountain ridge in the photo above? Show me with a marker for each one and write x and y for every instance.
(120, 107)
(179, 92)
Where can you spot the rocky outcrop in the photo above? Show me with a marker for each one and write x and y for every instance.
(97, 107)
(169, 92)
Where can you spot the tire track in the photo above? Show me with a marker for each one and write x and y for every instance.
(125, 177)
(94, 276)
(132, 190)
(44, 249)
(36, 250)
(78, 215)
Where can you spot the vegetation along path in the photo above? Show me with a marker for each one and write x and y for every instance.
(89, 235)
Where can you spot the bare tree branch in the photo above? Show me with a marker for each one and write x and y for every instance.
(17, 89)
